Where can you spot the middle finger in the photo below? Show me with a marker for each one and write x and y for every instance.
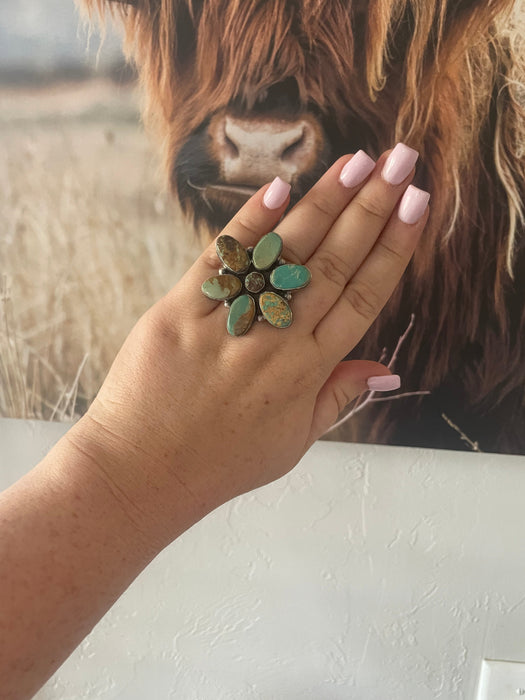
(354, 233)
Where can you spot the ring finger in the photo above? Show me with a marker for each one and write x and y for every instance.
(355, 232)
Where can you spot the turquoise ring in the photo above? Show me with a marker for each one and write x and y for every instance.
(255, 283)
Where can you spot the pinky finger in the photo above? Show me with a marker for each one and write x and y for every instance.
(348, 381)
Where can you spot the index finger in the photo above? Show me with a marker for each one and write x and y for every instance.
(258, 216)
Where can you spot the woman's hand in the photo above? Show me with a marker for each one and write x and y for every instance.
(189, 411)
(190, 416)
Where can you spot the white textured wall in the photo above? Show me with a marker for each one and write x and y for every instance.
(371, 573)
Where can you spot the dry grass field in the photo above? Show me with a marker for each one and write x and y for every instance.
(88, 241)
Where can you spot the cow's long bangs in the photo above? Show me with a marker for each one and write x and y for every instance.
(463, 107)
(256, 45)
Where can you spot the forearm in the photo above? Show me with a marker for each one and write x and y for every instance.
(68, 549)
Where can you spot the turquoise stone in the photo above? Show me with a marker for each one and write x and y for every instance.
(241, 316)
(222, 287)
(275, 309)
(267, 251)
(232, 254)
(289, 277)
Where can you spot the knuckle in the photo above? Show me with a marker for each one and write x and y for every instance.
(333, 268)
(390, 253)
(324, 207)
(158, 323)
(371, 209)
(342, 398)
(290, 252)
(247, 224)
(209, 256)
(364, 300)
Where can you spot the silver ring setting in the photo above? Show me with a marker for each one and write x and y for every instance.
(255, 283)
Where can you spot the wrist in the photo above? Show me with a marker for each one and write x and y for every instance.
(71, 545)
(154, 507)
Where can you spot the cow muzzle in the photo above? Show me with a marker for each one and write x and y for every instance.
(252, 151)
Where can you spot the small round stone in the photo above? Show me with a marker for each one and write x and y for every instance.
(254, 282)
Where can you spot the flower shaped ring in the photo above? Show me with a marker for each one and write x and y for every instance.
(255, 282)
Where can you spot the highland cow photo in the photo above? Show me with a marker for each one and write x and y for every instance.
(132, 131)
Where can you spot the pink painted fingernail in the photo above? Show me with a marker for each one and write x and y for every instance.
(385, 382)
(355, 171)
(413, 204)
(399, 164)
(275, 196)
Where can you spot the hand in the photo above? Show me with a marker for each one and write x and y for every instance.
(189, 416)
(188, 411)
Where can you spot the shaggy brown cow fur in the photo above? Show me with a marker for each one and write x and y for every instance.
(312, 80)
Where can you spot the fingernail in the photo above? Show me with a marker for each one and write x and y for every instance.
(399, 164)
(413, 204)
(355, 171)
(275, 196)
(385, 382)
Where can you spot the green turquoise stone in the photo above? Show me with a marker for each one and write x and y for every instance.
(275, 309)
(232, 254)
(267, 251)
(241, 316)
(222, 287)
(289, 277)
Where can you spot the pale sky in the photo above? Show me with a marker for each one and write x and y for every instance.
(46, 33)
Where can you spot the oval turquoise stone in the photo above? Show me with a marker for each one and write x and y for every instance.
(275, 309)
(267, 251)
(232, 254)
(222, 287)
(289, 277)
(241, 316)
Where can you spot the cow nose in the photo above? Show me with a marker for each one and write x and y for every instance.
(254, 151)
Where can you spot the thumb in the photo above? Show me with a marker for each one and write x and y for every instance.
(346, 383)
